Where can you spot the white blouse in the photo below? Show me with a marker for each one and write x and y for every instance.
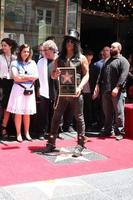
(43, 77)
(5, 66)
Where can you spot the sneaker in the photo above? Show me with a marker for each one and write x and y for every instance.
(49, 148)
(78, 151)
(119, 137)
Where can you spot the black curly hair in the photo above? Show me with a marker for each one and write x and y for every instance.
(63, 52)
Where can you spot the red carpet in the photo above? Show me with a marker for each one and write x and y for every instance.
(129, 120)
(19, 164)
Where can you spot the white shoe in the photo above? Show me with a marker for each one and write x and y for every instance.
(28, 137)
(19, 138)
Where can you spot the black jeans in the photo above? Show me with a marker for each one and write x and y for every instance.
(45, 113)
(7, 87)
(76, 104)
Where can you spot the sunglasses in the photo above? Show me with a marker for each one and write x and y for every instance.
(69, 41)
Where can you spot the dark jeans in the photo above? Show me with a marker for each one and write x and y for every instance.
(113, 108)
(6, 86)
(67, 120)
(45, 113)
(76, 104)
(87, 110)
(92, 111)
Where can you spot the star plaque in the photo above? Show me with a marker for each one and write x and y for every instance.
(67, 81)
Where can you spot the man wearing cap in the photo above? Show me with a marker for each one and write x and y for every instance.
(70, 56)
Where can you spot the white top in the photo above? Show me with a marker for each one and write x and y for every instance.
(29, 67)
(5, 66)
(43, 77)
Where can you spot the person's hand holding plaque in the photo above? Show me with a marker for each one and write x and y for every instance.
(78, 92)
(56, 73)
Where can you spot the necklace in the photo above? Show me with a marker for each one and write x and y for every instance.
(8, 61)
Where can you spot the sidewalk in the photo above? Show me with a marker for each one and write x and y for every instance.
(104, 172)
(117, 185)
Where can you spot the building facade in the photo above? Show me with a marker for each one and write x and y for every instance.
(99, 22)
(32, 21)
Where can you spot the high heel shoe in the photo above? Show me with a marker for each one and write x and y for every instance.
(19, 138)
(28, 137)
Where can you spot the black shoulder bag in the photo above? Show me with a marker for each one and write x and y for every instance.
(27, 91)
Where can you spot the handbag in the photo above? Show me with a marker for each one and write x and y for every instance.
(27, 91)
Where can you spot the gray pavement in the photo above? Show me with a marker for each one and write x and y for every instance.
(115, 185)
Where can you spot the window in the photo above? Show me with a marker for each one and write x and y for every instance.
(39, 15)
(15, 14)
(48, 17)
(45, 15)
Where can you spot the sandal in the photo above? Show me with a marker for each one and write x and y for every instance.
(4, 132)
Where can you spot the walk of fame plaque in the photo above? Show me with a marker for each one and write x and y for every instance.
(67, 81)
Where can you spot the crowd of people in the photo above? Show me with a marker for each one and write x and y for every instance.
(30, 90)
